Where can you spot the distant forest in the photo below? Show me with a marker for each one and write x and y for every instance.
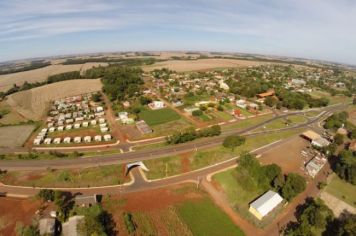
(32, 66)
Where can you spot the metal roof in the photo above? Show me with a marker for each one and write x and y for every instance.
(267, 202)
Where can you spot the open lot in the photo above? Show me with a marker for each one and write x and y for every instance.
(9, 115)
(342, 190)
(32, 103)
(201, 64)
(95, 176)
(287, 156)
(14, 136)
(156, 117)
(39, 75)
(179, 210)
(352, 114)
(13, 210)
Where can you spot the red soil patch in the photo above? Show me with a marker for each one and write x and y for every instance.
(16, 210)
(157, 199)
(33, 177)
(185, 161)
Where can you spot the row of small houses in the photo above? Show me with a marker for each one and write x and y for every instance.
(78, 139)
(102, 125)
(68, 118)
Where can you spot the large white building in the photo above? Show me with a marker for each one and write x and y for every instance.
(265, 204)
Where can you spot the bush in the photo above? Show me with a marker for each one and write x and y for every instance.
(46, 194)
(294, 185)
(130, 225)
(197, 113)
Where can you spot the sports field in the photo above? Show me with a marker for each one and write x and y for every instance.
(157, 117)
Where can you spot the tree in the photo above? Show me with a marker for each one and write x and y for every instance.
(197, 113)
(30, 230)
(46, 194)
(339, 139)
(270, 101)
(145, 100)
(233, 141)
(294, 185)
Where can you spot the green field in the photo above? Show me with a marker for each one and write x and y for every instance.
(174, 165)
(242, 124)
(284, 123)
(333, 99)
(239, 198)
(95, 176)
(342, 190)
(204, 218)
(161, 116)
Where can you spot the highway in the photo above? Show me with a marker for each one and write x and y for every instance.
(141, 155)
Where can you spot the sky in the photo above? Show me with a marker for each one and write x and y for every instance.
(316, 29)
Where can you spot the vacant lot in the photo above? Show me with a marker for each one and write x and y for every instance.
(16, 210)
(287, 155)
(95, 176)
(9, 115)
(201, 64)
(32, 103)
(39, 75)
(352, 114)
(342, 190)
(178, 210)
(156, 117)
(14, 136)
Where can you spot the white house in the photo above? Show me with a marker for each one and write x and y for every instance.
(103, 125)
(44, 130)
(37, 141)
(223, 85)
(47, 141)
(77, 139)
(104, 129)
(107, 137)
(68, 127)
(60, 128)
(99, 109)
(76, 125)
(155, 105)
(85, 124)
(97, 138)
(101, 120)
(67, 140)
(93, 122)
(87, 139)
(241, 103)
(265, 204)
(320, 142)
(57, 141)
(52, 129)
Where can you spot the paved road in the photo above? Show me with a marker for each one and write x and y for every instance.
(150, 154)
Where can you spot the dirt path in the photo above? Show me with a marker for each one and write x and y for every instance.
(220, 200)
(110, 116)
(336, 205)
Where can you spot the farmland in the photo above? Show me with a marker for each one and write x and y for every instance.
(32, 103)
(14, 136)
(39, 75)
(201, 64)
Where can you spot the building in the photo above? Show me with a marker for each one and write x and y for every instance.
(70, 228)
(66, 140)
(298, 82)
(315, 165)
(47, 141)
(47, 226)
(87, 139)
(223, 85)
(266, 94)
(265, 204)
(342, 131)
(310, 135)
(320, 142)
(241, 103)
(77, 139)
(107, 137)
(57, 141)
(155, 105)
(97, 138)
(86, 201)
(37, 141)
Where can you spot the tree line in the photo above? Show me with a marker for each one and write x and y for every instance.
(33, 65)
(192, 134)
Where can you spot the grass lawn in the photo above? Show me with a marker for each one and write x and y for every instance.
(333, 99)
(222, 115)
(204, 218)
(312, 113)
(282, 123)
(168, 128)
(205, 117)
(297, 119)
(177, 164)
(240, 198)
(342, 190)
(242, 124)
(161, 116)
(95, 176)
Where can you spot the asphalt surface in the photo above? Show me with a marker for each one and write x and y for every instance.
(154, 153)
